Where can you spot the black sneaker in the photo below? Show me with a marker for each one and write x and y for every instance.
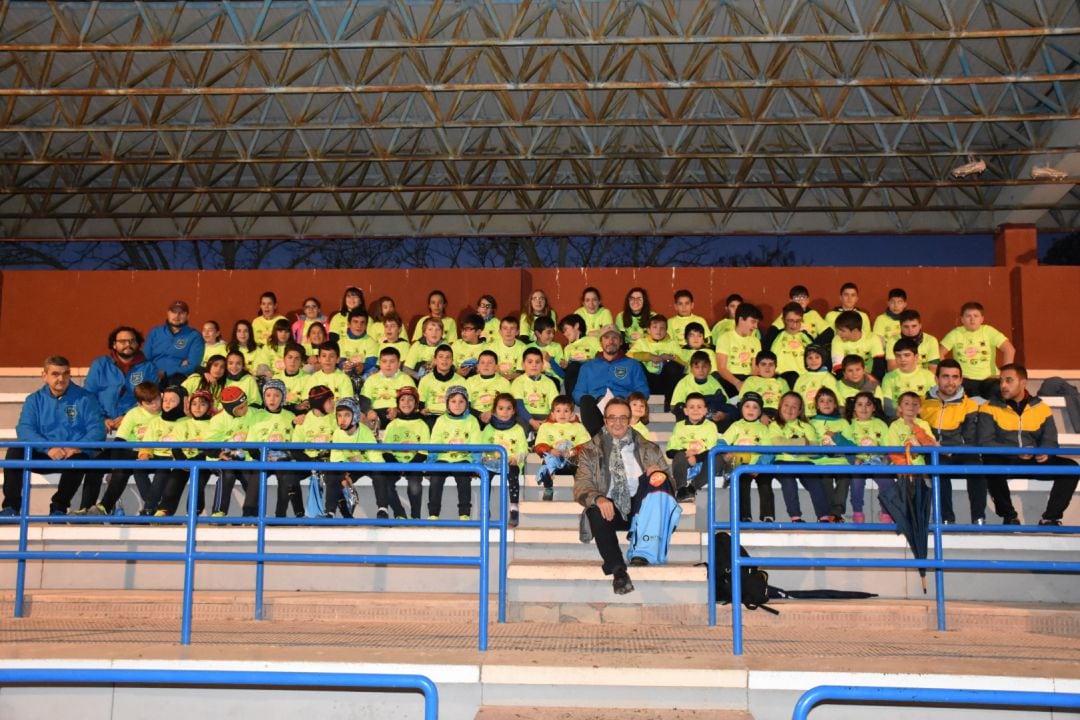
(621, 583)
(514, 517)
(1012, 520)
(638, 561)
(1045, 521)
(686, 493)
(382, 514)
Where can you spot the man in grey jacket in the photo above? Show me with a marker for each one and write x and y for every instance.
(616, 470)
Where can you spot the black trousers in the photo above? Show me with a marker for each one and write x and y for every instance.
(766, 500)
(591, 417)
(976, 488)
(605, 532)
(462, 479)
(664, 382)
(70, 480)
(1061, 491)
(118, 480)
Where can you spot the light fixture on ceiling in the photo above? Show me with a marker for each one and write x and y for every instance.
(973, 166)
(1046, 172)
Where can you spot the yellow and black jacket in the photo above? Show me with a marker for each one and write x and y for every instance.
(953, 420)
(1028, 423)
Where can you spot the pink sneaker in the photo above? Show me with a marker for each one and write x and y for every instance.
(886, 518)
(858, 517)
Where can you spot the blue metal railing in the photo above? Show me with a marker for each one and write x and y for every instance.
(931, 696)
(190, 555)
(227, 678)
(938, 564)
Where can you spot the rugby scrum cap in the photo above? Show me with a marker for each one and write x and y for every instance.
(204, 395)
(318, 396)
(457, 390)
(232, 398)
(752, 397)
(610, 330)
(179, 306)
(352, 406)
(274, 384)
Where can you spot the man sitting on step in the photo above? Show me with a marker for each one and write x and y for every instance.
(615, 471)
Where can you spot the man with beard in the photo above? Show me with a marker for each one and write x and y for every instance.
(175, 347)
(112, 380)
(609, 372)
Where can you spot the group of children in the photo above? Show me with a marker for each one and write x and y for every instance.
(360, 377)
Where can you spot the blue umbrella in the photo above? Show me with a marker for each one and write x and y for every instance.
(908, 501)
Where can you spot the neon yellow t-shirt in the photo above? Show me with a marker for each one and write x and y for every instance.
(740, 351)
(929, 352)
(975, 351)
(449, 326)
(896, 383)
(482, 390)
(900, 433)
(770, 389)
(812, 322)
(676, 327)
(582, 349)
(535, 393)
(742, 433)
(595, 321)
(382, 390)
(646, 346)
(790, 351)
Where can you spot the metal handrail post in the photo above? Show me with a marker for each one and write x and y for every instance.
(939, 551)
(485, 559)
(24, 529)
(710, 562)
(504, 519)
(260, 539)
(189, 555)
(736, 565)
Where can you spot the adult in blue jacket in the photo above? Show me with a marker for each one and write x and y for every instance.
(175, 347)
(60, 412)
(112, 380)
(610, 370)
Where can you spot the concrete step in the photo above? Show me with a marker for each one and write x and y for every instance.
(581, 583)
(565, 514)
(546, 544)
(517, 712)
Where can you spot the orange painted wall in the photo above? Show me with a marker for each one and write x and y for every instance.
(46, 312)
(1050, 337)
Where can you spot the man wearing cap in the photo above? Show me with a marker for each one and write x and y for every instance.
(616, 470)
(175, 347)
(609, 372)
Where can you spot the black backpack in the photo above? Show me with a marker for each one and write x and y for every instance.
(755, 582)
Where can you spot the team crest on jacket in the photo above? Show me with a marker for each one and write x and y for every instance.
(136, 378)
(621, 373)
(180, 343)
(71, 411)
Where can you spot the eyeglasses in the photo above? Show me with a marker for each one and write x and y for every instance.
(126, 341)
(485, 305)
(311, 307)
(617, 418)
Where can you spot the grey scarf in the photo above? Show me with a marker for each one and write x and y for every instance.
(620, 490)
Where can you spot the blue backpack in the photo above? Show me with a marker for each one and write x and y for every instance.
(651, 527)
